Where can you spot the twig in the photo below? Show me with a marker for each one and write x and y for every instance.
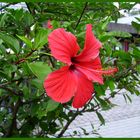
(71, 120)
(3, 98)
(12, 81)
(29, 9)
(57, 12)
(67, 125)
(2, 130)
(125, 73)
(24, 59)
(34, 100)
(10, 90)
(13, 125)
(97, 107)
(49, 56)
(81, 15)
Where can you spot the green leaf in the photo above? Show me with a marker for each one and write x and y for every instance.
(123, 56)
(105, 23)
(136, 53)
(99, 89)
(43, 126)
(126, 97)
(25, 40)
(40, 69)
(41, 38)
(4, 75)
(104, 103)
(11, 41)
(3, 19)
(137, 92)
(100, 117)
(111, 85)
(26, 68)
(51, 105)
(138, 19)
(136, 25)
(84, 131)
(104, 37)
(138, 68)
(2, 48)
(28, 19)
(108, 50)
(37, 83)
(119, 34)
(56, 24)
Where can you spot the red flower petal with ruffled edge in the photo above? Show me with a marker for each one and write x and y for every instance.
(93, 70)
(84, 90)
(63, 84)
(63, 45)
(60, 85)
(91, 47)
(90, 69)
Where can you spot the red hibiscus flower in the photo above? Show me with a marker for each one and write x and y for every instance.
(75, 79)
(49, 25)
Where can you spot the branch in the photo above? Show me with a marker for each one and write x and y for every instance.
(34, 100)
(13, 125)
(73, 118)
(24, 59)
(10, 82)
(51, 61)
(81, 14)
(67, 125)
(10, 90)
(3, 98)
(125, 73)
(57, 12)
(2, 130)
(29, 9)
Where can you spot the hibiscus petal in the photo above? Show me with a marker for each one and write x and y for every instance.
(95, 64)
(84, 90)
(91, 69)
(63, 45)
(60, 85)
(91, 47)
(94, 75)
(49, 25)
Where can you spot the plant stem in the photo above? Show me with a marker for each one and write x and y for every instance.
(24, 59)
(10, 90)
(32, 11)
(13, 125)
(81, 15)
(67, 125)
(72, 119)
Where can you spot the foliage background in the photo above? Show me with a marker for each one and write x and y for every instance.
(25, 61)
